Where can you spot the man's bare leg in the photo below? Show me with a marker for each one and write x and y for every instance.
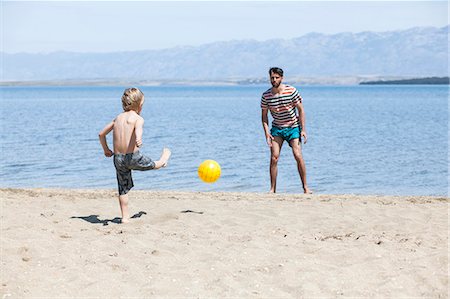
(274, 155)
(297, 151)
(123, 201)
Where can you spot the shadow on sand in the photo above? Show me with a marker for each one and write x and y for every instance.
(95, 220)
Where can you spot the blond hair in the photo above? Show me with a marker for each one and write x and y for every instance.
(132, 99)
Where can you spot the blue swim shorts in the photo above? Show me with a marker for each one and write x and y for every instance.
(287, 133)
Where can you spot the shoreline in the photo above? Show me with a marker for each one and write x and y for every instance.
(39, 191)
(67, 242)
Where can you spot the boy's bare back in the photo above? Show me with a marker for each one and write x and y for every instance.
(127, 125)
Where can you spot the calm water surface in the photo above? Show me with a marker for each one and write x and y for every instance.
(389, 140)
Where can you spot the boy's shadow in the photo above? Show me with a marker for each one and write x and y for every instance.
(94, 218)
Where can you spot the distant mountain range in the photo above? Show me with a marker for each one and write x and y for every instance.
(416, 52)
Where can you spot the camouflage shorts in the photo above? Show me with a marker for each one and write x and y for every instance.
(124, 163)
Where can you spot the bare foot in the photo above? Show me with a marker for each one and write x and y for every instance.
(125, 220)
(271, 191)
(165, 156)
(307, 191)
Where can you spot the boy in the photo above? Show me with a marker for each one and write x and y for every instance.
(127, 130)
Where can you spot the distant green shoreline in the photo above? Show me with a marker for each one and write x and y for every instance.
(428, 80)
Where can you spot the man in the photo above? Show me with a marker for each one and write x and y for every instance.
(283, 100)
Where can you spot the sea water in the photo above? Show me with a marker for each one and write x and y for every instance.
(387, 140)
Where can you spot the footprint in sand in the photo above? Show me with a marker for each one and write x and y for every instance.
(24, 252)
(164, 218)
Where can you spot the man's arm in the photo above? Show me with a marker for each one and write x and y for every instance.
(102, 137)
(301, 118)
(265, 123)
(139, 129)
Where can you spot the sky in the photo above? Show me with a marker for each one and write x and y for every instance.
(110, 26)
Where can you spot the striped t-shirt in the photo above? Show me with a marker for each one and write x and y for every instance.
(282, 106)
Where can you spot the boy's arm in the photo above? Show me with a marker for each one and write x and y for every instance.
(139, 128)
(102, 137)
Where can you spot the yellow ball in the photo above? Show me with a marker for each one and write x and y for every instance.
(209, 171)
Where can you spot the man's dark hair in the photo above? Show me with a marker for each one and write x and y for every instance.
(276, 70)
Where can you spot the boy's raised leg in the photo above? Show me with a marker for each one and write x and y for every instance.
(162, 162)
(123, 200)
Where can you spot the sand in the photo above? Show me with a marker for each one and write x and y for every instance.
(67, 243)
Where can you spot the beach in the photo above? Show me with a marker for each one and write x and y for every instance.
(68, 243)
